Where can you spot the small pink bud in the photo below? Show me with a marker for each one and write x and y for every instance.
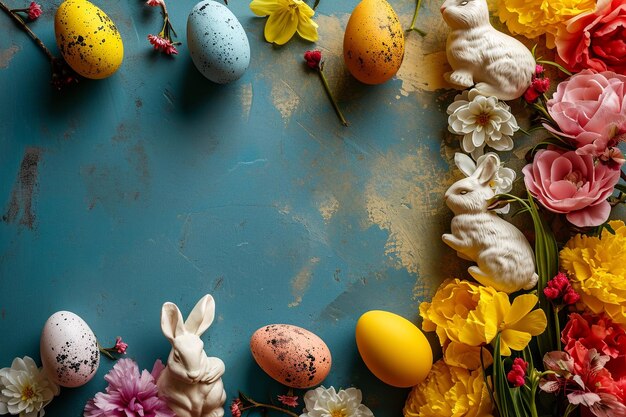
(313, 58)
(34, 11)
(538, 69)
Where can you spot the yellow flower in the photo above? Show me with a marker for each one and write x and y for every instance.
(467, 357)
(533, 18)
(597, 268)
(450, 313)
(516, 322)
(449, 391)
(285, 18)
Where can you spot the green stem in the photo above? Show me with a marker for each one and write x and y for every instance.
(20, 22)
(569, 409)
(412, 27)
(533, 403)
(330, 95)
(317, 2)
(557, 327)
(105, 351)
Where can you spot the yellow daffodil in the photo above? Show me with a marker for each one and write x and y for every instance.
(598, 272)
(286, 17)
(449, 391)
(516, 322)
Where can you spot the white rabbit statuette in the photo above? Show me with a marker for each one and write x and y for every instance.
(497, 64)
(191, 382)
(504, 258)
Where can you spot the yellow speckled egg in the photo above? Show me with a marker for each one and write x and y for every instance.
(373, 45)
(291, 355)
(88, 39)
(393, 348)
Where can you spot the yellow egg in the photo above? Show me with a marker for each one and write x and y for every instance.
(393, 348)
(88, 39)
(373, 45)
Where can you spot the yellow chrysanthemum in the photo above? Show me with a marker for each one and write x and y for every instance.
(533, 18)
(597, 268)
(449, 391)
(516, 322)
(449, 312)
(286, 17)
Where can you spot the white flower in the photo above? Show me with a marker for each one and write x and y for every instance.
(25, 389)
(482, 121)
(325, 402)
(503, 180)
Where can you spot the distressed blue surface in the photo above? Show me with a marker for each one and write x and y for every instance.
(156, 185)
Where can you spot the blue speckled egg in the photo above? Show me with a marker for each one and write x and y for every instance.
(217, 42)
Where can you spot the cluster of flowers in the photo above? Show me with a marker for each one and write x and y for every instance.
(588, 371)
(587, 34)
(163, 41)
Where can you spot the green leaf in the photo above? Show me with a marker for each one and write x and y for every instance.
(621, 188)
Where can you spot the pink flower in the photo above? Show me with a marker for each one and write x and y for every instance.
(595, 39)
(120, 346)
(313, 59)
(154, 3)
(560, 291)
(572, 184)
(539, 85)
(289, 400)
(590, 110)
(162, 44)
(235, 408)
(34, 11)
(129, 394)
(517, 374)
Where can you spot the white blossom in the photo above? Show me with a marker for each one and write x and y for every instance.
(25, 389)
(482, 121)
(324, 402)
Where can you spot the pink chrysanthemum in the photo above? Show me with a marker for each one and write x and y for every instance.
(289, 400)
(129, 394)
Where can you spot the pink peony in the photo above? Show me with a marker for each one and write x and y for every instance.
(569, 183)
(590, 110)
(595, 39)
(129, 394)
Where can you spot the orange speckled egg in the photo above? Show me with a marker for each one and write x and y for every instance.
(291, 355)
(393, 348)
(88, 39)
(373, 45)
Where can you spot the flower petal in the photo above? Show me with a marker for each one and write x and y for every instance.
(307, 28)
(266, 7)
(281, 26)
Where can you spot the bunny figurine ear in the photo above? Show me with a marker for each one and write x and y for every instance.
(486, 171)
(201, 316)
(172, 323)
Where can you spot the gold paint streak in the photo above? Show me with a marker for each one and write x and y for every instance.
(404, 196)
(285, 99)
(246, 100)
(328, 207)
(300, 283)
(6, 55)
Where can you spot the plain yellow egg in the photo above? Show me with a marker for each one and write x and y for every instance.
(373, 45)
(393, 348)
(88, 39)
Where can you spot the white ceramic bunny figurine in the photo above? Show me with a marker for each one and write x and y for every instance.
(497, 63)
(504, 257)
(191, 382)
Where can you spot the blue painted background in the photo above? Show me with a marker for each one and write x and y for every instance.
(155, 185)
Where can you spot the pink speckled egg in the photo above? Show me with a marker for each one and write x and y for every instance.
(291, 355)
(69, 350)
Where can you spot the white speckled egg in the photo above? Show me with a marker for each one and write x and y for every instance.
(69, 350)
(291, 355)
(217, 42)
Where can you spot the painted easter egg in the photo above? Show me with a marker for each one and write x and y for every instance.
(393, 348)
(217, 42)
(69, 350)
(373, 45)
(88, 39)
(291, 355)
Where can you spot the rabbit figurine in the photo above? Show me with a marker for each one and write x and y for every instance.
(191, 382)
(498, 64)
(504, 257)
